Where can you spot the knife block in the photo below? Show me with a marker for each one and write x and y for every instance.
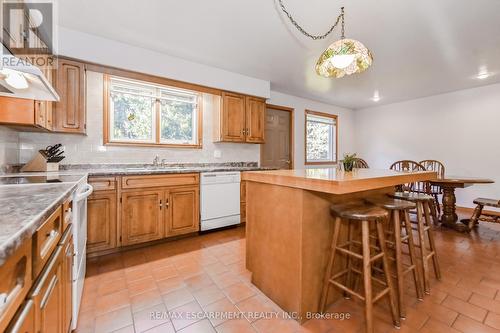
(39, 163)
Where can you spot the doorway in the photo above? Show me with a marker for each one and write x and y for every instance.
(277, 152)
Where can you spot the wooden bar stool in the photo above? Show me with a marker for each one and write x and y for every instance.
(423, 203)
(366, 215)
(398, 212)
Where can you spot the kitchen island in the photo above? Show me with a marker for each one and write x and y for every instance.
(289, 227)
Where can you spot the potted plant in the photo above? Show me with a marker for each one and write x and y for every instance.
(348, 162)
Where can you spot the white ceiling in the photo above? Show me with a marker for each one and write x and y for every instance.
(420, 47)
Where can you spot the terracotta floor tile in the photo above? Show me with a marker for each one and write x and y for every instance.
(225, 279)
(164, 272)
(493, 320)
(453, 290)
(276, 325)
(221, 311)
(215, 269)
(169, 285)
(467, 325)
(208, 295)
(198, 281)
(137, 272)
(177, 298)
(139, 286)
(235, 326)
(485, 303)
(150, 317)
(255, 307)
(165, 328)
(434, 326)
(203, 326)
(127, 329)
(467, 309)
(478, 288)
(238, 292)
(111, 302)
(145, 300)
(493, 283)
(111, 286)
(186, 315)
(438, 312)
(114, 320)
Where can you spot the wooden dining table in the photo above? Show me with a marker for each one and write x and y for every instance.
(448, 184)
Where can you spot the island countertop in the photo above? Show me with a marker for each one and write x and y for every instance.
(335, 181)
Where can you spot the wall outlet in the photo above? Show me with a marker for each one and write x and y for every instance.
(217, 153)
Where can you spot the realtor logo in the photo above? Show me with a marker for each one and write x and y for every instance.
(28, 31)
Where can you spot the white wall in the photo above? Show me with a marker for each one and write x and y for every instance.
(461, 129)
(90, 149)
(9, 144)
(345, 120)
(112, 53)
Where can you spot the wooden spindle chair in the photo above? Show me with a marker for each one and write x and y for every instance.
(360, 163)
(434, 190)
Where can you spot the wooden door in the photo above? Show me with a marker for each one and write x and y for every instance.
(101, 221)
(233, 117)
(183, 214)
(275, 152)
(69, 112)
(67, 273)
(255, 114)
(142, 216)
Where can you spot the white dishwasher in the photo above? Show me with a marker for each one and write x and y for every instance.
(220, 199)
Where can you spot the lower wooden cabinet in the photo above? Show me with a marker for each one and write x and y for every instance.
(142, 216)
(101, 221)
(183, 211)
(24, 320)
(48, 296)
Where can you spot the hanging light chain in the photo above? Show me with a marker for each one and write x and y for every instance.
(315, 37)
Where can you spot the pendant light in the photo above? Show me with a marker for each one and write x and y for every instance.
(343, 57)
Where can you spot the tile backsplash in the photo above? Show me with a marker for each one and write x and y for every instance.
(81, 149)
(9, 147)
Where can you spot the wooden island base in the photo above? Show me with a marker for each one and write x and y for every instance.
(289, 231)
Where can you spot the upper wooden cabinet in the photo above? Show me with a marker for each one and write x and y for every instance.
(69, 112)
(25, 113)
(240, 118)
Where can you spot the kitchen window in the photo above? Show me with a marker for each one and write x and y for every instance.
(147, 114)
(321, 133)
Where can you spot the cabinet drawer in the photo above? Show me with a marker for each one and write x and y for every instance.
(160, 180)
(15, 281)
(24, 321)
(103, 183)
(45, 240)
(67, 214)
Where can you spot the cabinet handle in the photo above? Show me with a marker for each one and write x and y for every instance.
(167, 203)
(6, 298)
(161, 205)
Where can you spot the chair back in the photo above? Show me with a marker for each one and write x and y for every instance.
(408, 165)
(360, 163)
(433, 165)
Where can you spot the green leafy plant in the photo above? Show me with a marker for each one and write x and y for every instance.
(348, 161)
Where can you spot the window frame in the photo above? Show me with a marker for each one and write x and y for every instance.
(336, 146)
(157, 140)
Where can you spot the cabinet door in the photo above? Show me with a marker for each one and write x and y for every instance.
(142, 216)
(183, 214)
(48, 296)
(67, 273)
(255, 117)
(69, 113)
(24, 321)
(101, 221)
(233, 117)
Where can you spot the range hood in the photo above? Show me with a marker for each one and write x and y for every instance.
(20, 79)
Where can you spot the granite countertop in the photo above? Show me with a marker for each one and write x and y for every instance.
(23, 208)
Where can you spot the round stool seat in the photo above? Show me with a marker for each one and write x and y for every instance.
(391, 203)
(358, 211)
(412, 196)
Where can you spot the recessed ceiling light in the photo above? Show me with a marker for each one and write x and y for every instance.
(376, 96)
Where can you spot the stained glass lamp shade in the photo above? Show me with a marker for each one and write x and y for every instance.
(344, 57)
